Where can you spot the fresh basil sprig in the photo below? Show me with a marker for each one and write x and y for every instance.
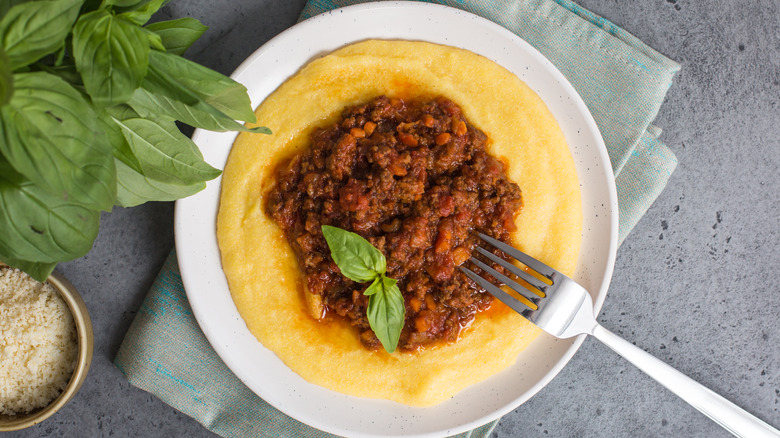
(359, 261)
(89, 99)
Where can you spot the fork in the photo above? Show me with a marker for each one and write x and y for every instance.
(564, 309)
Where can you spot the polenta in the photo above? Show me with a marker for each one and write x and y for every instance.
(264, 277)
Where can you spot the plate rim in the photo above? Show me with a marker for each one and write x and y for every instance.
(181, 205)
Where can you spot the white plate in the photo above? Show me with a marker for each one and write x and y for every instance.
(259, 368)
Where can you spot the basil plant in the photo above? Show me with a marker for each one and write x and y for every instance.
(89, 99)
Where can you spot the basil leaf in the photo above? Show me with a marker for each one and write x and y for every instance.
(154, 40)
(60, 56)
(37, 270)
(6, 79)
(124, 3)
(162, 93)
(202, 83)
(150, 104)
(120, 148)
(112, 55)
(122, 112)
(386, 311)
(165, 154)
(374, 287)
(31, 30)
(6, 6)
(51, 135)
(178, 35)
(134, 188)
(357, 259)
(141, 14)
(38, 226)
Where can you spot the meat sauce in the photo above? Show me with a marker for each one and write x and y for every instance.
(414, 179)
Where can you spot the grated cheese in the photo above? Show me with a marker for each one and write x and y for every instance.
(38, 344)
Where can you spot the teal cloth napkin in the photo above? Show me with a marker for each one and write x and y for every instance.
(622, 81)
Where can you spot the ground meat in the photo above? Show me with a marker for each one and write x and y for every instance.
(414, 179)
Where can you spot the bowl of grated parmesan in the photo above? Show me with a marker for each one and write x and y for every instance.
(46, 346)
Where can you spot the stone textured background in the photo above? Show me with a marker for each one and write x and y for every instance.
(695, 284)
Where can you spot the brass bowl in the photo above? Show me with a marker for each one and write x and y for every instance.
(85, 346)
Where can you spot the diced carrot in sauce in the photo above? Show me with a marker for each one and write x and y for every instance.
(415, 179)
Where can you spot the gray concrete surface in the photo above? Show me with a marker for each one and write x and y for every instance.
(695, 284)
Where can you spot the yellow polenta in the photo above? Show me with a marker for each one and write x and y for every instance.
(262, 272)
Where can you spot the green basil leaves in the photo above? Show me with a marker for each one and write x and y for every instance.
(359, 261)
(112, 55)
(89, 100)
(51, 136)
(170, 157)
(178, 35)
(141, 12)
(31, 30)
(40, 227)
(6, 78)
(386, 311)
(188, 92)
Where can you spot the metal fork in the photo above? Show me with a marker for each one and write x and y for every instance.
(565, 309)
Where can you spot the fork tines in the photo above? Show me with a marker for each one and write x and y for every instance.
(535, 283)
(523, 258)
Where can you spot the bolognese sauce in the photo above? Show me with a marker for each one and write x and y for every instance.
(414, 178)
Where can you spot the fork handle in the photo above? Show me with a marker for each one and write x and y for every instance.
(730, 416)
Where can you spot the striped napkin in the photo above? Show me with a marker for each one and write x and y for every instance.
(622, 81)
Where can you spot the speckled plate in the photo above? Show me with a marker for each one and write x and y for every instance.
(258, 367)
